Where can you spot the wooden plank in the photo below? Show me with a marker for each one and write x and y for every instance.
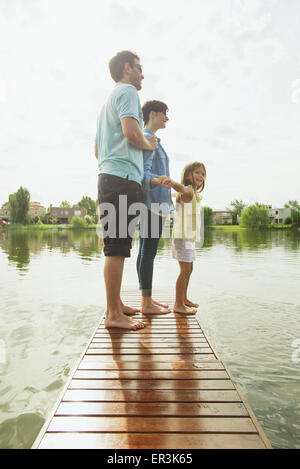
(148, 340)
(157, 328)
(155, 384)
(150, 441)
(141, 409)
(146, 350)
(162, 358)
(152, 424)
(157, 374)
(133, 395)
(91, 362)
(148, 335)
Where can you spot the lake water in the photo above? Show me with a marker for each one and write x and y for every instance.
(52, 296)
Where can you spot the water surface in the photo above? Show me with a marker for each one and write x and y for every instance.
(52, 297)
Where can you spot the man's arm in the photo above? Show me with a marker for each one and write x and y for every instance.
(134, 135)
(96, 151)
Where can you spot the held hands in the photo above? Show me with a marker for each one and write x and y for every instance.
(165, 181)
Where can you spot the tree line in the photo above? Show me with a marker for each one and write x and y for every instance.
(253, 216)
(19, 205)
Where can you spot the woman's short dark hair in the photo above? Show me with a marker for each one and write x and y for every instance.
(116, 63)
(156, 106)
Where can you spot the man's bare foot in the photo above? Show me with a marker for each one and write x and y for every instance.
(190, 303)
(121, 321)
(183, 309)
(153, 308)
(160, 304)
(128, 310)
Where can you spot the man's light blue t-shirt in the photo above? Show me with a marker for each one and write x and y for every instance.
(115, 154)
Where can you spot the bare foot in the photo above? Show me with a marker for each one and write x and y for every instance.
(190, 303)
(183, 309)
(128, 310)
(160, 304)
(121, 321)
(154, 309)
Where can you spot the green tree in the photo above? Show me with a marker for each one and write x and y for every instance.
(19, 205)
(295, 210)
(65, 203)
(236, 211)
(89, 204)
(255, 216)
(208, 216)
(78, 222)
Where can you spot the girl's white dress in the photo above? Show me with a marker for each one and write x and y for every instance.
(188, 229)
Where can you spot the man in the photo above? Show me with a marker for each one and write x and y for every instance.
(119, 148)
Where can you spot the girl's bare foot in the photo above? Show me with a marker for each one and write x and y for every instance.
(190, 303)
(183, 309)
(121, 321)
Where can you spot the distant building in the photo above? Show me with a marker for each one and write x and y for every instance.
(278, 216)
(222, 217)
(64, 214)
(36, 209)
(5, 212)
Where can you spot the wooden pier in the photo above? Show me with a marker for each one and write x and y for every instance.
(162, 387)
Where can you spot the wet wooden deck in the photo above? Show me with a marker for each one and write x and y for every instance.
(162, 387)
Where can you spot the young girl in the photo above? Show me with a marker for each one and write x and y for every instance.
(188, 228)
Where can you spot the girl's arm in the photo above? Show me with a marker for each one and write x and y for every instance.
(187, 193)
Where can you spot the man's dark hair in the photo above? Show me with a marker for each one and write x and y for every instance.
(156, 106)
(116, 63)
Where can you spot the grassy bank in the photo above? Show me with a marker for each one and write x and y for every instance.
(239, 228)
(45, 227)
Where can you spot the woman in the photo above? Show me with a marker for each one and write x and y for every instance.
(157, 191)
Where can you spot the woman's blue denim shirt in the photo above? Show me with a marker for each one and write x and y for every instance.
(156, 163)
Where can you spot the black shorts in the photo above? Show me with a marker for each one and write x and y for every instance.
(117, 238)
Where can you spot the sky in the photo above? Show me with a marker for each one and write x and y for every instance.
(229, 71)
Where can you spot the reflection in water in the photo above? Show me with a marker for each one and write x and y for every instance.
(52, 296)
(19, 245)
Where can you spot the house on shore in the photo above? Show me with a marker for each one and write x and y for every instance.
(278, 216)
(35, 209)
(222, 217)
(65, 214)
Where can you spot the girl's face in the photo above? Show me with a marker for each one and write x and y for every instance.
(198, 176)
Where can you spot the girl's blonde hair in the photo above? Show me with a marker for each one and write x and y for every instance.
(187, 177)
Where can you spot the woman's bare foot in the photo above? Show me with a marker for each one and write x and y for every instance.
(190, 303)
(151, 307)
(121, 321)
(183, 309)
(160, 304)
(128, 310)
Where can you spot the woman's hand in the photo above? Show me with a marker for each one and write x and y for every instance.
(165, 181)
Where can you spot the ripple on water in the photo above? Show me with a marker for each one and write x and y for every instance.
(21, 431)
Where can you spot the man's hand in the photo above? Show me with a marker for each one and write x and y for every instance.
(152, 142)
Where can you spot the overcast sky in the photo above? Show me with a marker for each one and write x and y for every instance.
(229, 71)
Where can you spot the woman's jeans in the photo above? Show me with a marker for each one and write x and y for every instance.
(147, 251)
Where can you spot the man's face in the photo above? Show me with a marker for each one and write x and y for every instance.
(136, 74)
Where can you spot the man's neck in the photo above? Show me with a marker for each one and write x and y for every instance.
(125, 81)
